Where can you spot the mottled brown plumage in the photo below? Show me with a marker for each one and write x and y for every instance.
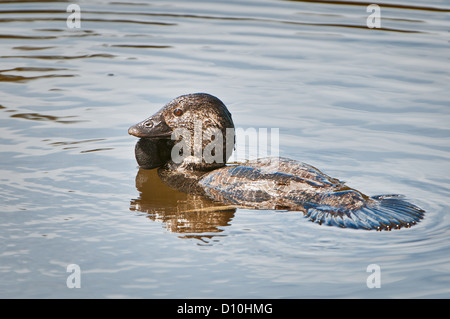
(267, 183)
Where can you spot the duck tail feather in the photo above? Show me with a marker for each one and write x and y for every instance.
(384, 212)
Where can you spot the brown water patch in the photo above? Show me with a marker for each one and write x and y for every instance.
(30, 48)
(180, 212)
(59, 57)
(42, 117)
(365, 4)
(141, 46)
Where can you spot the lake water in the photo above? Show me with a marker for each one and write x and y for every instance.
(370, 106)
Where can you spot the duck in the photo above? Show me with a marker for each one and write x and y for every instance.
(190, 139)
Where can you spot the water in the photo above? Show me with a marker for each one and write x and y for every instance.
(368, 106)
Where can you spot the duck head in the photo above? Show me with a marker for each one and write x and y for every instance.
(197, 133)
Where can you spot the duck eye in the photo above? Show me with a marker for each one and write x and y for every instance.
(178, 112)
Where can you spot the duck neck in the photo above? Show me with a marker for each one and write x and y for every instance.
(182, 178)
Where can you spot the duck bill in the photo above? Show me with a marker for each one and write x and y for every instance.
(153, 127)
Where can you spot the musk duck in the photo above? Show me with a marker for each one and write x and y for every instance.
(190, 140)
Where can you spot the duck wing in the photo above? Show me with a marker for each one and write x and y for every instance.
(279, 183)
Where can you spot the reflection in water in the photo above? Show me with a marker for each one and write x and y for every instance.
(58, 57)
(43, 117)
(20, 78)
(180, 212)
(386, 5)
(141, 46)
(34, 116)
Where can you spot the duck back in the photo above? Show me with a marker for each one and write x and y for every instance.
(279, 183)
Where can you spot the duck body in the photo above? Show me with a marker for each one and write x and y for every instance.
(285, 184)
(266, 183)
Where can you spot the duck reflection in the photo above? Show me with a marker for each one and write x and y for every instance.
(195, 216)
